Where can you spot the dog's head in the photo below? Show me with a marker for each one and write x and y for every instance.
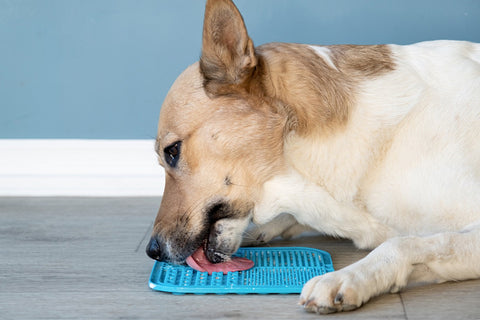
(219, 140)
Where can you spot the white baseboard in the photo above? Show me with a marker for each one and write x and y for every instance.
(79, 168)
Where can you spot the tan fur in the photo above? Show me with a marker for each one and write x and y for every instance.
(314, 96)
(228, 58)
(221, 160)
(361, 62)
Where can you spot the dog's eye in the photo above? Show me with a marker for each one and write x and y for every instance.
(172, 153)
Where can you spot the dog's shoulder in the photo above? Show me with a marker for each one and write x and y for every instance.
(318, 84)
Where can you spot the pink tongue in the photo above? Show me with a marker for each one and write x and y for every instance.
(199, 262)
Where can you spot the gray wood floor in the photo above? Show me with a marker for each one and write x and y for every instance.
(83, 258)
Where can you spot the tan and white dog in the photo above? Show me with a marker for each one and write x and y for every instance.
(378, 144)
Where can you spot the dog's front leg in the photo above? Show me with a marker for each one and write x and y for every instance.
(394, 264)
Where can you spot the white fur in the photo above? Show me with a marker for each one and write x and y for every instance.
(405, 172)
(311, 205)
(324, 53)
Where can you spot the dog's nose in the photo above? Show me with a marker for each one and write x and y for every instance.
(155, 249)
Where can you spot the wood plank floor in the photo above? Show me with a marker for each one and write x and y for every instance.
(84, 258)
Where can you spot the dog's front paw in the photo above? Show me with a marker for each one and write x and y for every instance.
(382, 270)
(333, 292)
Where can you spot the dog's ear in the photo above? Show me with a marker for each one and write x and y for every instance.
(228, 55)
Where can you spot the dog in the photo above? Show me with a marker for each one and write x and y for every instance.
(378, 144)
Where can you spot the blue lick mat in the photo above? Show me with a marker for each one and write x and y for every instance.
(276, 270)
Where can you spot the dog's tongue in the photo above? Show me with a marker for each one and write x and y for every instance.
(199, 262)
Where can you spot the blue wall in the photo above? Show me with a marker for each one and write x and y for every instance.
(101, 68)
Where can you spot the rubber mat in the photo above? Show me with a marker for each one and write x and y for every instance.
(276, 270)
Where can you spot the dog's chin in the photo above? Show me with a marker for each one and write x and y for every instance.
(214, 255)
